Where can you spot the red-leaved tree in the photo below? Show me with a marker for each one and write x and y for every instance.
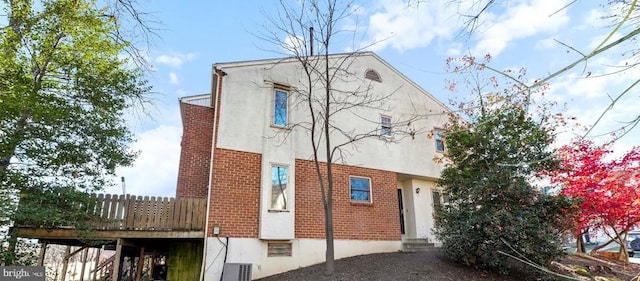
(608, 189)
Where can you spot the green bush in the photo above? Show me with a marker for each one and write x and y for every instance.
(493, 207)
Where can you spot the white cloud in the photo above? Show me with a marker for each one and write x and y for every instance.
(294, 45)
(143, 60)
(547, 43)
(599, 40)
(358, 10)
(590, 99)
(454, 50)
(607, 16)
(175, 59)
(592, 19)
(587, 114)
(522, 20)
(155, 171)
(600, 78)
(576, 85)
(173, 78)
(398, 25)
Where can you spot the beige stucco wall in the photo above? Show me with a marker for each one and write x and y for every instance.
(246, 112)
(305, 252)
(418, 207)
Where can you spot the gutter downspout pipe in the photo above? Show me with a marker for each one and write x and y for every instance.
(217, 74)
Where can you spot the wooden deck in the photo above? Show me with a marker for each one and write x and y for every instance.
(120, 216)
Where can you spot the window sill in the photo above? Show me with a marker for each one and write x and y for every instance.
(287, 127)
(277, 211)
(361, 203)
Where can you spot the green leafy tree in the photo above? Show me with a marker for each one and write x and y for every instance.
(494, 210)
(65, 84)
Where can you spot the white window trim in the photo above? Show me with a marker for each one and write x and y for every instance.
(370, 190)
(273, 106)
(440, 191)
(435, 140)
(286, 190)
(390, 127)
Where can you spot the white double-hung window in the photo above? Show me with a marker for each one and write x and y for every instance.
(280, 108)
(437, 135)
(385, 126)
(279, 183)
(360, 189)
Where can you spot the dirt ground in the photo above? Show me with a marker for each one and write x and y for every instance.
(433, 265)
(586, 265)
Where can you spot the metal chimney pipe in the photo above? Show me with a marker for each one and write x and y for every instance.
(311, 40)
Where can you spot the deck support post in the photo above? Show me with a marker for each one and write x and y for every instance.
(152, 264)
(65, 263)
(116, 261)
(95, 268)
(43, 251)
(140, 264)
(85, 253)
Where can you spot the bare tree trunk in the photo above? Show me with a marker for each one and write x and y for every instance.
(14, 139)
(620, 238)
(324, 99)
(4, 164)
(623, 255)
(580, 245)
(330, 254)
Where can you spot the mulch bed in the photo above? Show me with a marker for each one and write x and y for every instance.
(586, 265)
(429, 265)
(433, 265)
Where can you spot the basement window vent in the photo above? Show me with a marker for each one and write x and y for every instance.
(236, 272)
(372, 75)
(278, 249)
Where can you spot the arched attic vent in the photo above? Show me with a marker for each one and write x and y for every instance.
(372, 75)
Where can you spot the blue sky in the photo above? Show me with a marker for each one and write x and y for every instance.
(416, 40)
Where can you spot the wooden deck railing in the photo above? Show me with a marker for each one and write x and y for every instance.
(113, 212)
(120, 212)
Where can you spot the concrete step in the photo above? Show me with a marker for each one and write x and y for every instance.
(417, 245)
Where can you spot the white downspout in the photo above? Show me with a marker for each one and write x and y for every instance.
(216, 85)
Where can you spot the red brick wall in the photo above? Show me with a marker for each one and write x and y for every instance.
(235, 200)
(235, 193)
(195, 155)
(376, 221)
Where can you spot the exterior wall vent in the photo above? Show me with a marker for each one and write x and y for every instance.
(278, 249)
(236, 272)
(372, 75)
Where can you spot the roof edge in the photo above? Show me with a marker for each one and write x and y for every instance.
(352, 54)
(196, 99)
(285, 59)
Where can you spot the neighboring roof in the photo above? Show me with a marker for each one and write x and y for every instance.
(222, 65)
(201, 100)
